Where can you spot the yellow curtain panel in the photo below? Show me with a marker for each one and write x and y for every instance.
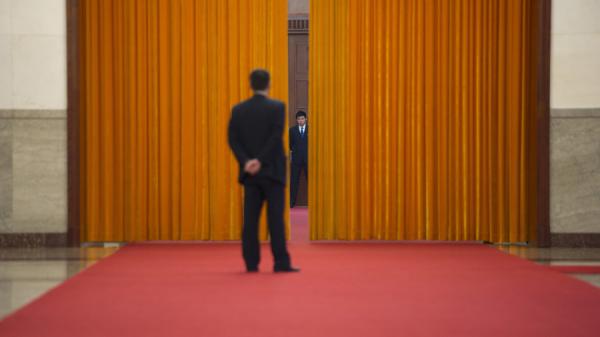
(422, 120)
(160, 78)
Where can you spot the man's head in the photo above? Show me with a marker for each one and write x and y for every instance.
(301, 118)
(259, 80)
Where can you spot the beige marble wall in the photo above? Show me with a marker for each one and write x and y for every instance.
(575, 80)
(33, 54)
(575, 124)
(575, 172)
(33, 171)
(33, 95)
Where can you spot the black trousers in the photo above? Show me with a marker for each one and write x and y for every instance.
(296, 169)
(255, 194)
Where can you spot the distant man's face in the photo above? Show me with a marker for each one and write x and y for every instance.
(301, 120)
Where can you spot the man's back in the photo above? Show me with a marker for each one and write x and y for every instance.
(256, 131)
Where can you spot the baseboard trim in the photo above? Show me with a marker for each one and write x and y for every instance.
(32, 240)
(576, 113)
(577, 240)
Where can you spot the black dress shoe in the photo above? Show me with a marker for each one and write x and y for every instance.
(289, 269)
(252, 270)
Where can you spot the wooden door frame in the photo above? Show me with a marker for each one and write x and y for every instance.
(74, 82)
(74, 109)
(543, 40)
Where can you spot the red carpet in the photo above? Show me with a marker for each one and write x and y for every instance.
(299, 224)
(362, 290)
(577, 269)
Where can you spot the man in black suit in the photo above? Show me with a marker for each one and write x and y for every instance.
(256, 138)
(299, 148)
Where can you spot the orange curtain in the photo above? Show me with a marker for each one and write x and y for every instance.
(160, 78)
(422, 120)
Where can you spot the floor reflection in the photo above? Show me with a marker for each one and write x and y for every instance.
(560, 257)
(27, 273)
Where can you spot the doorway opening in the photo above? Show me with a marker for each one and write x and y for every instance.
(298, 101)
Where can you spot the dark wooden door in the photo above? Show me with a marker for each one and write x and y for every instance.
(298, 95)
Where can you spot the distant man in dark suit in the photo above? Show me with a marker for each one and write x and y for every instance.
(299, 147)
(256, 138)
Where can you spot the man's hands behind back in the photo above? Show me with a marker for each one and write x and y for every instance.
(252, 167)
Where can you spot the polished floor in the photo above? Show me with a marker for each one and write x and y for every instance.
(25, 274)
(561, 257)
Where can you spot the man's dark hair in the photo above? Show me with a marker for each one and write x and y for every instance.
(259, 79)
(300, 113)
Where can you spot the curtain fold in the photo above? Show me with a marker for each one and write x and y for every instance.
(159, 80)
(422, 120)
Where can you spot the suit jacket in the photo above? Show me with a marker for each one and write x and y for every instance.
(299, 145)
(256, 131)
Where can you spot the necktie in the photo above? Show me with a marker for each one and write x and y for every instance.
(301, 132)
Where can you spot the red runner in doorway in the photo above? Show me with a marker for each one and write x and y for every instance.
(299, 224)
